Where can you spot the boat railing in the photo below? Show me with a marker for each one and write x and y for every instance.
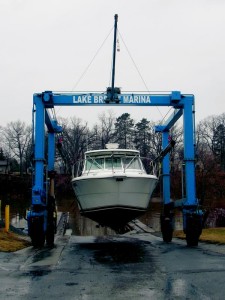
(77, 168)
(155, 168)
(150, 166)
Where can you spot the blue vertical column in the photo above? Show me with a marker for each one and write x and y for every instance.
(189, 152)
(51, 151)
(51, 165)
(166, 169)
(39, 156)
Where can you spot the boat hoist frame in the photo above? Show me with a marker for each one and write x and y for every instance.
(41, 216)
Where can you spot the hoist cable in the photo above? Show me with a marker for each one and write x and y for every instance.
(165, 115)
(86, 69)
(88, 66)
(137, 69)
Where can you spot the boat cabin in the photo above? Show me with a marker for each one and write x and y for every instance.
(113, 160)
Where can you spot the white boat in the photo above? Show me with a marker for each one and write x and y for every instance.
(113, 188)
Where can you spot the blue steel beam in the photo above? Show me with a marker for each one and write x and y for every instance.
(166, 160)
(189, 154)
(166, 169)
(53, 128)
(174, 99)
(39, 154)
(51, 151)
(174, 117)
(52, 124)
(43, 118)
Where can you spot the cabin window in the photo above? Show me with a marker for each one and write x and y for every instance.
(94, 164)
(131, 163)
(113, 163)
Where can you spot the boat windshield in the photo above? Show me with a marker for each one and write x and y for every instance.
(94, 163)
(113, 162)
(131, 162)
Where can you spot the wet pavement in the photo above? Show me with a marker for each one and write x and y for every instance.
(137, 265)
(88, 262)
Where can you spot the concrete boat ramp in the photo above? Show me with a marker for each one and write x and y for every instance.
(137, 265)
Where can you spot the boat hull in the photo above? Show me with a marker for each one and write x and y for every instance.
(113, 201)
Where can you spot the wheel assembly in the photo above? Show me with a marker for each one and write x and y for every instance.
(167, 227)
(51, 221)
(36, 231)
(193, 229)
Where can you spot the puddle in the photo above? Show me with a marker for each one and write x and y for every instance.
(118, 252)
(36, 273)
(71, 283)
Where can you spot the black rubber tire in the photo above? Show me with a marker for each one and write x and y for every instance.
(51, 223)
(192, 241)
(166, 229)
(37, 233)
(38, 242)
(193, 230)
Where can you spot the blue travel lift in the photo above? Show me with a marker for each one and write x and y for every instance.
(42, 215)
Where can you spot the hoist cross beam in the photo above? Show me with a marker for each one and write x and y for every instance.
(174, 99)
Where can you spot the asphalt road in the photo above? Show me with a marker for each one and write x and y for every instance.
(131, 266)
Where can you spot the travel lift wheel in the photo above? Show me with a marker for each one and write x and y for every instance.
(193, 228)
(167, 222)
(167, 227)
(51, 221)
(37, 233)
(37, 226)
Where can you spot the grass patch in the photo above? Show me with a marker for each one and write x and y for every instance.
(210, 235)
(10, 241)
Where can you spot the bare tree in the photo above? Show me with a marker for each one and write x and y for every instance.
(107, 121)
(207, 128)
(102, 132)
(17, 136)
(75, 142)
(219, 145)
(210, 153)
(95, 138)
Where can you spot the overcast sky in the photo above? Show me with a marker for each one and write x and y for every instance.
(48, 44)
